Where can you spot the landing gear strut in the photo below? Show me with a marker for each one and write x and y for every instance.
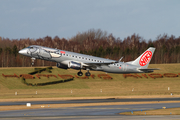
(32, 59)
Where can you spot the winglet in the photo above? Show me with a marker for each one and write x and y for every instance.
(120, 59)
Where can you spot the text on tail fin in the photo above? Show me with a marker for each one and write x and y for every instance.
(145, 58)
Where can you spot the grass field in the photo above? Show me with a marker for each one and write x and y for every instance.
(118, 86)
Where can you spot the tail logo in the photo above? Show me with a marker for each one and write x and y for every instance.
(145, 58)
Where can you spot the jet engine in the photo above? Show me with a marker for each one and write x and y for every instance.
(74, 65)
(59, 65)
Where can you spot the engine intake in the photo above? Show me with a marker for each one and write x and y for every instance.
(61, 66)
(74, 65)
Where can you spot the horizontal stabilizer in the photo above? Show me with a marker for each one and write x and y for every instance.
(148, 70)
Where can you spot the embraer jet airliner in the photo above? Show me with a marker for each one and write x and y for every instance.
(67, 59)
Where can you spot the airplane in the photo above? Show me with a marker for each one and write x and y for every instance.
(66, 59)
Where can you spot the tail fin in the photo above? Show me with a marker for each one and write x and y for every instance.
(144, 59)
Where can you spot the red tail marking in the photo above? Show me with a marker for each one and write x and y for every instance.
(145, 58)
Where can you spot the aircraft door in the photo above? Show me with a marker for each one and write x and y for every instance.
(28, 52)
(124, 67)
(40, 51)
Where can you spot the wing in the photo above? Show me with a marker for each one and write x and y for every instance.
(98, 64)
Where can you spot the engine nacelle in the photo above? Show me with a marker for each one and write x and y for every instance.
(74, 65)
(61, 66)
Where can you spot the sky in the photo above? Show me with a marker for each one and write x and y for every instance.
(65, 18)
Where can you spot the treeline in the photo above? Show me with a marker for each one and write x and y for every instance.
(93, 42)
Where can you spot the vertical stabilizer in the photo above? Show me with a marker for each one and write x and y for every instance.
(144, 59)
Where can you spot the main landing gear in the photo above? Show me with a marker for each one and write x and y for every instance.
(87, 73)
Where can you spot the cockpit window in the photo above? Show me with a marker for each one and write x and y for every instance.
(32, 49)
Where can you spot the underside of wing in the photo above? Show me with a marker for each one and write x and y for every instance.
(98, 64)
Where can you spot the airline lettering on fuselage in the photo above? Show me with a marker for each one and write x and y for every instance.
(146, 57)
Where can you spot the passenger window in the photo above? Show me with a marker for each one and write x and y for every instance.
(76, 56)
(79, 57)
(82, 57)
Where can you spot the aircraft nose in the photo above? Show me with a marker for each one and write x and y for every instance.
(23, 51)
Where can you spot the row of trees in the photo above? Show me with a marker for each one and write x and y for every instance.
(93, 42)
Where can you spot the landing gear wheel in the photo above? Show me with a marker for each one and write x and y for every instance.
(80, 73)
(88, 74)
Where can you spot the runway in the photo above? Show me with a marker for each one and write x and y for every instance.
(90, 101)
(90, 112)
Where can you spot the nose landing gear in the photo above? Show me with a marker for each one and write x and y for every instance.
(32, 59)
